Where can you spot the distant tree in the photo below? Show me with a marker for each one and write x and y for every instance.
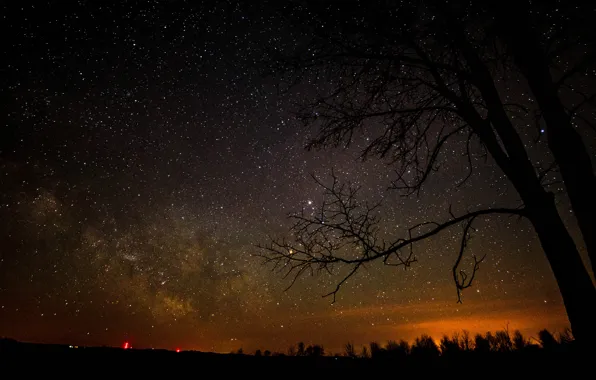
(492, 341)
(450, 346)
(240, 351)
(364, 353)
(404, 346)
(376, 351)
(566, 338)
(408, 80)
(482, 344)
(267, 353)
(397, 350)
(301, 351)
(547, 340)
(466, 342)
(318, 350)
(315, 350)
(519, 342)
(258, 353)
(425, 346)
(350, 350)
(391, 345)
(292, 350)
(503, 341)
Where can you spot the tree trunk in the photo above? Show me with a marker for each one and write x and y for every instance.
(564, 141)
(570, 153)
(577, 290)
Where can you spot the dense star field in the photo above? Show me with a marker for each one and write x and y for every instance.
(142, 158)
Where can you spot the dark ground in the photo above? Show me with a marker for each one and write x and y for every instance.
(25, 359)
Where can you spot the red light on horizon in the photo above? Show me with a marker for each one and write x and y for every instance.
(177, 350)
(126, 345)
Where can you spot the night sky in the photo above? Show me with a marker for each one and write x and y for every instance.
(143, 156)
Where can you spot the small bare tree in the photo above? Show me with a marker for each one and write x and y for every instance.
(350, 350)
(519, 341)
(466, 341)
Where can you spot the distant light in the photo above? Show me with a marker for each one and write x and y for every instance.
(542, 131)
(177, 350)
(126, 345)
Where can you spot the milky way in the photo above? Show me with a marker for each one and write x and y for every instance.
(143, 156)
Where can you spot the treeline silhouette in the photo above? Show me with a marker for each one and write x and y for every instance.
(499, 353)
(448, 346)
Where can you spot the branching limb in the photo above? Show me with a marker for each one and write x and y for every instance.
(462, 279)
(345, 232)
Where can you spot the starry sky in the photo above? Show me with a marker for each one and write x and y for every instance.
(143, 156)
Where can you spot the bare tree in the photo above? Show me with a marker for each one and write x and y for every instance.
(315, 350)
(503, 341)
(415, 78)
(519, 342)
(482, 343)
(566, 337)
(364, 353)
(424, 345)
(466, 341)
(450, 346)
(350, 350)
(554, 50)
(547, 340)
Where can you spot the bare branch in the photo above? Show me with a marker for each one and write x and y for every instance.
(346, 232)
(461, 278)
(584, 64)
(334, 292)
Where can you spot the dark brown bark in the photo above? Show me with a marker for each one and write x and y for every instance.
(577, 290)
(572, 158)
(575, 284)
(564, 141)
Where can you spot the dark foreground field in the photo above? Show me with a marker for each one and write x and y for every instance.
(93, 361)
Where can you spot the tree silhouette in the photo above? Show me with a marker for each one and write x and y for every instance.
(503, 341)
(425, 346)
(547, 340)
(566, 338)
(397, 350)
(466, 341)
(482, 343)
(519, 342)
(350, 350)
(314, 350)
(418, 77)
(364, 353)
(450, 346)
(376, 351)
